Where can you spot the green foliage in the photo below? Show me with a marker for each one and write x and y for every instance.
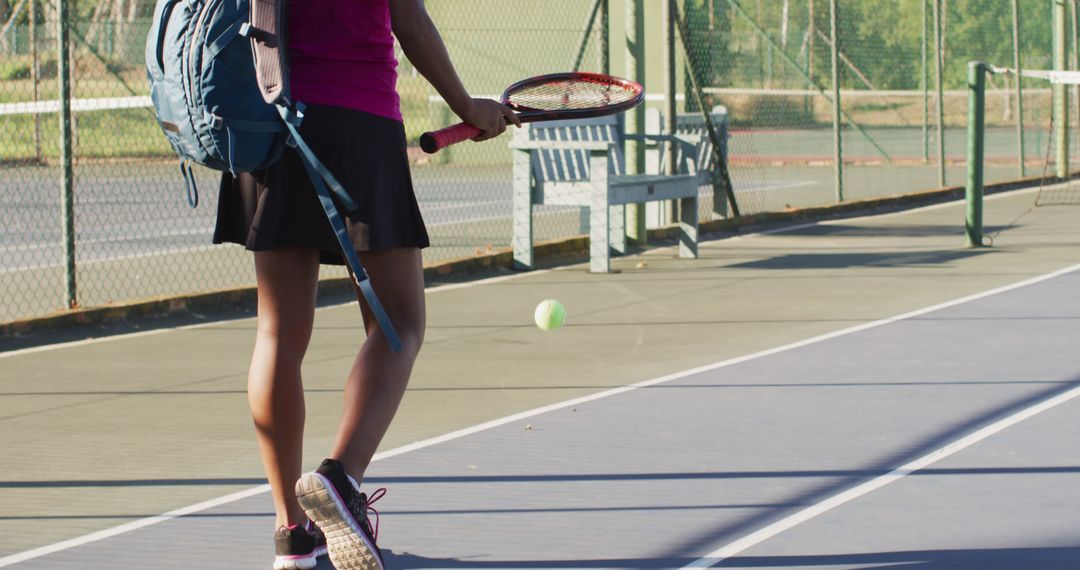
(10, 71)
(706, 44)
(881, 39)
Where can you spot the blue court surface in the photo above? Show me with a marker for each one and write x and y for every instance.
(859, 393)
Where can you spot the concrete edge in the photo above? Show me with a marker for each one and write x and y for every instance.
(570, 249)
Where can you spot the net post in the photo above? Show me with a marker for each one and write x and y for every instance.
(975, 141)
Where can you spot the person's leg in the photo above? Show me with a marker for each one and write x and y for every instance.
(379, 376)
(287, 286)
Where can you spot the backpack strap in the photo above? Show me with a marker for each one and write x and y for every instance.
(320, 178)
(293, 117)
(268, 40)
(189, 183)
(267, 32)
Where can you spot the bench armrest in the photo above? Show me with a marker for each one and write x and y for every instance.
(523, 144)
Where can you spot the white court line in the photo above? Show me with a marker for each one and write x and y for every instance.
(759, 536)
(770, 531)
(133, 525)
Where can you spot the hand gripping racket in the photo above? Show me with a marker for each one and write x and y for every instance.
(558, 96)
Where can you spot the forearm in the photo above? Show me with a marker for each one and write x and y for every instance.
(422, 44)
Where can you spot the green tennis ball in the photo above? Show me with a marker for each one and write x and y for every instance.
(549, 314)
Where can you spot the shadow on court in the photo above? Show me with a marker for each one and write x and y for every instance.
(1044, 558)
(406, 560)
(1040, 558)
(850, 260)
(887, 231)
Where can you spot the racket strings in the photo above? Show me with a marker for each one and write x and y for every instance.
(570, 94)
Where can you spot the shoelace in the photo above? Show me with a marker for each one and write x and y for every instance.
(378, 494)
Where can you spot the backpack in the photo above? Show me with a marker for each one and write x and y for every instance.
(218, 74)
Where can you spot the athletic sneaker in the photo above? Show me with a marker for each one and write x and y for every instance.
(298, 547)
(333, 500)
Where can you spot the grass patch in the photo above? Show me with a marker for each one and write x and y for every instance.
(870, 107)
(134, 133)
(14, 70)
(121, 133)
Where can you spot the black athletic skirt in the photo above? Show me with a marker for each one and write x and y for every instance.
(278, 208)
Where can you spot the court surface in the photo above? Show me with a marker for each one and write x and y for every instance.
(857, 393)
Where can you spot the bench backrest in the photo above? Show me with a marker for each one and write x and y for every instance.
(696, 147)
(562, 165)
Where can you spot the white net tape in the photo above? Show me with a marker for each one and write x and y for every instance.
(1053, 76)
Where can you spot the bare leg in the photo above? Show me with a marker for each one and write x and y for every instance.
(287, 285)
(379, 376)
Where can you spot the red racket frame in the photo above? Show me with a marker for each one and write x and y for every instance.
(434, 141)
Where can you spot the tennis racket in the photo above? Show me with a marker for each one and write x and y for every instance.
(558, 96)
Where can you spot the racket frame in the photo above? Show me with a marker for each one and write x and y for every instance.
(432, 142)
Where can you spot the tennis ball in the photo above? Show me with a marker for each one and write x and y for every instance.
(549, 314)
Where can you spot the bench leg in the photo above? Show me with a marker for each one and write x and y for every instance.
(617, 234)
(600, 214)
(522, 212)
(599, 228)
(688, 227)
(720, 201)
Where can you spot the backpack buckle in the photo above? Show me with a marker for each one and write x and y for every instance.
(216, 122)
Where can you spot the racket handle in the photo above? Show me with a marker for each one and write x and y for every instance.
(433, 141)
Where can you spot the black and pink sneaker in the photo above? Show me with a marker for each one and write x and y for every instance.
(298, 547)
(333, 500)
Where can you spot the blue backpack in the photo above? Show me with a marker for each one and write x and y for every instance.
(218, 73)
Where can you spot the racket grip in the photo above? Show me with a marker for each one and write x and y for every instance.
(432, 142)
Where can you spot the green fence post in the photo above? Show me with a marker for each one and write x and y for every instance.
(67, 194)
(939, 63)
(1019, 87)
(605, 38)
(838, 143)
(35, 80)
(762, 34)
(671, 108)
(635, 118)
(585, 35)
(1061, 103)
(925, 80)
(1074, 18)
(975, 141)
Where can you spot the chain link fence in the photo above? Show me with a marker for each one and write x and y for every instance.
(766, 64)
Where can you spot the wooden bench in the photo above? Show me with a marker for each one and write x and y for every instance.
(694, 155)
(581, 163)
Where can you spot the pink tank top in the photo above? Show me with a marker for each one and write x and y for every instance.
(342, 54)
